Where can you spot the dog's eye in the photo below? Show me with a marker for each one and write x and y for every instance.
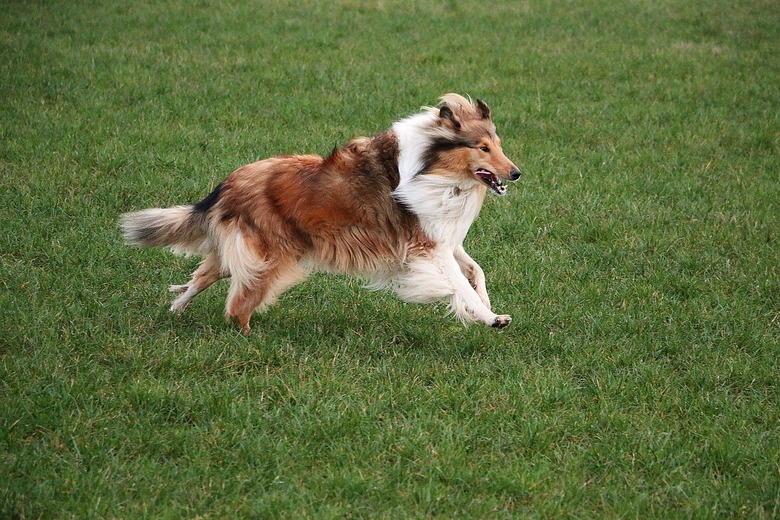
(484, 149)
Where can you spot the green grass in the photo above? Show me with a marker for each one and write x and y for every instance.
(638, 256)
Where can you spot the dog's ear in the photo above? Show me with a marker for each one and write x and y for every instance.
(448, 117)
(483, 109)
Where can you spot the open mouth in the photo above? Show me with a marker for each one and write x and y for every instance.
(491, 180)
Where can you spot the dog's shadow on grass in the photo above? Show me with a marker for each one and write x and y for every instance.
(373, 325)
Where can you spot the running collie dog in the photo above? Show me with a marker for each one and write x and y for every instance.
(393, 209)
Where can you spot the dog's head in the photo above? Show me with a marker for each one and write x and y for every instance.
(467, 146)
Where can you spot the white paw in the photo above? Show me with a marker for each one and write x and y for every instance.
(179, 304)
(502, 321)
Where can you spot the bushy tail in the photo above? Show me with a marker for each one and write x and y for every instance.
(182, 228)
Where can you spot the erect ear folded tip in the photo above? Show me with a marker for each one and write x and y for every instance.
(483, 109)
(446, 114)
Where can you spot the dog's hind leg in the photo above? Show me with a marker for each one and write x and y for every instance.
(208, 272)
(262, 290)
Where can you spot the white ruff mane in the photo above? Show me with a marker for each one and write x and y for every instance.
(415, 134)
(446, 207)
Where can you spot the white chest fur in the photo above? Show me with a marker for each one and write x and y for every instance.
(446, 207)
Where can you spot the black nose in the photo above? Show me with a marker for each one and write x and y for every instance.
(514, 174)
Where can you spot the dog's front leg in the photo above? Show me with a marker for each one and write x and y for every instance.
(473, 273)
(436, 275)
(467, 304)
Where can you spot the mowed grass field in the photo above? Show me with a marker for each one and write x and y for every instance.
(639, 256)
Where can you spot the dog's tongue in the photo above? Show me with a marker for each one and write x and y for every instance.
(492, 181)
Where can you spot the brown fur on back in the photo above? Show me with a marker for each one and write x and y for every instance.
(338, 211)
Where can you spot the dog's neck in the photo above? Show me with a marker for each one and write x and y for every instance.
(446, 207)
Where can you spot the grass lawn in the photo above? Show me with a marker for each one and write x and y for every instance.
(639, 256)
